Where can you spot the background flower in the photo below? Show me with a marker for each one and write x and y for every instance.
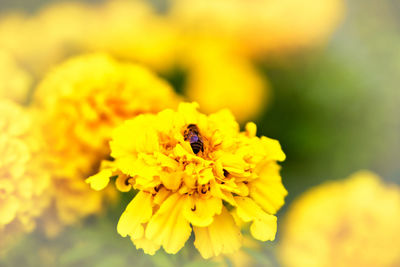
(333, 100)
(79, 103)
(23, 185)
(344, 223)
(218, 78)
(261, 26)
(164, 41)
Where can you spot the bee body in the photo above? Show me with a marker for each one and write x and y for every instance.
(192, 134)
(197, 147)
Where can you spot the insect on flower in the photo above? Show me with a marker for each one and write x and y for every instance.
(180, 193)
(192, 134)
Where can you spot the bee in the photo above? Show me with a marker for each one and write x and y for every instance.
(192, 134)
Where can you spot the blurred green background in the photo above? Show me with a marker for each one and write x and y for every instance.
(335, 110)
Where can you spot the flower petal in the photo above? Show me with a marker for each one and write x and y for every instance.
(205, 176)
(268, 191)
(123, 144)
(251, 129)
(222, 236)
(148, 246)
(171, 181)
(123, 183)
(100, 180)
(201, 212)
(264, 225)
(168, 227)
(136, 213)
(274, 149)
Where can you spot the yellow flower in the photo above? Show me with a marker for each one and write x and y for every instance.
(259, 26)
(195, 184)
(79, 103)
(354, 222)
(133, 30)
(23, 185)
(14, 81)
(126, 29)
(218, 78)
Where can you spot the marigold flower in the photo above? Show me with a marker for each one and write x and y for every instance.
(23, 185)
(195, 184)
(354, 222)
(219, 79)
(126, 29)
(260, 26)
(133, 30)
(80, 102)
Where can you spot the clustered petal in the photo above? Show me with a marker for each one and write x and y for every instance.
(216, 56)
(81, 101)
(181, 188)
(23, 185)
(351, 222)
(242, 22)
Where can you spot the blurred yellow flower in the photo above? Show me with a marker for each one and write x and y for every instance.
(194, 171)
(354, 222)
(14, 81)
(126, 29)
(23, 185)
(260, 26)
(217, 79)
(133, 30)
(79, 103)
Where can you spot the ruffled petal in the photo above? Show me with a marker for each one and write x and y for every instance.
(201, 212)
(222, 236)
(172, 181)
(123, 144)
(264, 225)
(168, 227)
(123, 183)
(100, 180)
(274, 149)
(136, 213)
(148, 246)
(251, 129)
(205, 176)
(268, 191)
